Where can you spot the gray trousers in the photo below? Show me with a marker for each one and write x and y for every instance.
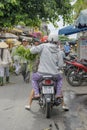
(6, 70)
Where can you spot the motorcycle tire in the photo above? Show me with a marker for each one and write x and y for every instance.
(48, 109)
(67, 69)
(73, 78)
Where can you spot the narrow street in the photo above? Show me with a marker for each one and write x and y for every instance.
(13, 116)
(48, 37)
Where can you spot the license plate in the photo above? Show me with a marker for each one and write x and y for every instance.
(48, 89)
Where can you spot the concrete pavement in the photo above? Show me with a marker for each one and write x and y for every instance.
(13, 116)
(78, 90)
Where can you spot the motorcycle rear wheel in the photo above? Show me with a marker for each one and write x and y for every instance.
(48, 109)
(74, 78)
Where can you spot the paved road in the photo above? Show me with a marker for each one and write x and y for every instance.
(13, 116)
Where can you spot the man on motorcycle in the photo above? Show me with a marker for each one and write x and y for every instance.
(51, 61)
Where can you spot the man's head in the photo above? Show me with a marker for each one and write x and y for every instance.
(36, 42)
(53, 37)
(67, 43)
(24, 42)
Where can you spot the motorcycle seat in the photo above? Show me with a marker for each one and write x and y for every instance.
(53, 77)
(84, 63)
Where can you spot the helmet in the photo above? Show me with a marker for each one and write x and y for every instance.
(44, 39)
(53, 37)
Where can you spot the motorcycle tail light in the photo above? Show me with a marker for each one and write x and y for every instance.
(47, 82)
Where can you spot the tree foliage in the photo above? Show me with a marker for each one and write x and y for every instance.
(63, 38)
(78, 6)
(32, 12)
(25, 53)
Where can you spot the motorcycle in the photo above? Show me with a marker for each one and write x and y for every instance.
(47, 88)
(78, 74)
(68, 63)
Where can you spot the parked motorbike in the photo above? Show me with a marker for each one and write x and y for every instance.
(68, 63)
(78, 74)
(47, 88)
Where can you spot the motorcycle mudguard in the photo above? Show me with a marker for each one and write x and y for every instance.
(47, 98)
(70, 66)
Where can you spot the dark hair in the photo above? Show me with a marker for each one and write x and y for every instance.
(1, 55)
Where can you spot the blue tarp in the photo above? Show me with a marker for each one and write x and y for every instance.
(71, 30)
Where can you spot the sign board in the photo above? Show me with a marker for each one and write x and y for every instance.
(82, 49)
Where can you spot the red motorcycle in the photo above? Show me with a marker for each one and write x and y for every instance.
(68, 63)
(78, 74)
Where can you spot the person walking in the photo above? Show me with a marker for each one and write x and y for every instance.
(16, 58)
(5, 60)
(67, 49)
(24, 62)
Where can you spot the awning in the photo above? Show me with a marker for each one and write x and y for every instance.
(25, 37)
(82, 19)
(8, 35)
(69, 30)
